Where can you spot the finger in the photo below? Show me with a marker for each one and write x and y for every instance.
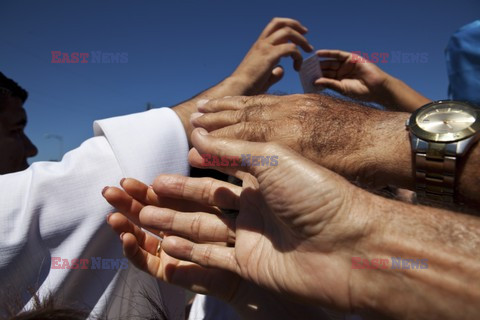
(147, 196)
(185, 274)
(142, 259)
(222, 104)
(280, 131)
(196, 160)
(275, 76)
(287, 34)
(227, 148)
(206, 255)
(206, 191)
(128, 206)
(217, 120)
(278, 23)
(239, 102)
(329, 65)
(329, 74)
(123, 203)
(333, 54)
(139, 191)
(330, 84)
(197, 226)
(262, 113)
(289, 49)
(120, 224)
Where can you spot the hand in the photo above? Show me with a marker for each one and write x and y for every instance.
(298, 244)
(259, 70)
(186, 211)
(351, 75)
(362, 144)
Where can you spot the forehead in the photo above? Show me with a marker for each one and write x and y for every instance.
(11, 111)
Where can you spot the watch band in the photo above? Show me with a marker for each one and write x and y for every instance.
(435, 168)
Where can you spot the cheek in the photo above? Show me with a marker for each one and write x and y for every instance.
(12, 154)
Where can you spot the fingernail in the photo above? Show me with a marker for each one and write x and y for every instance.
(121, 236)
(226, 97)
(121, 181)
(195, 115)
(108, 216)
(104, 190)
(203, 132)
(201, 102)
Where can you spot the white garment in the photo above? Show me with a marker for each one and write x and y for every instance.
(208, 307)
(57, 210)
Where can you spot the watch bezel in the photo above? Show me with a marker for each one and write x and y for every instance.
(444, 137)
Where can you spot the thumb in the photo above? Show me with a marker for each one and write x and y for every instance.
(330, 84)
(255, 158)
(275, 76)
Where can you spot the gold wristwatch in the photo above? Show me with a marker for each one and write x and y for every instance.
(440, 133)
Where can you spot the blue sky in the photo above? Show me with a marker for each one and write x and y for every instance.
(177, 49)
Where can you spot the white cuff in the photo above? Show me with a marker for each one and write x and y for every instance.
(147, 144)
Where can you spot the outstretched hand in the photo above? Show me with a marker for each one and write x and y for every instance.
(181, 206)
(351, 75)
(259, 69)
(299, 246)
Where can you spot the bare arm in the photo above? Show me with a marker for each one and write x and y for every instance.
(258, 70)
(353, 76)
(449, 288)
(397, 95)
(365, 145)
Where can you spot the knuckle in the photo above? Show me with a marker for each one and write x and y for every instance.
(195, 227)
(166, 221)
(287, 30)
(291, 47)
(237, 115)
(207, 194)
(243, 131)
(274, 148)
(207, 255)
(276, 20)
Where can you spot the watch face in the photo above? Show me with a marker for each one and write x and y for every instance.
(445, 121)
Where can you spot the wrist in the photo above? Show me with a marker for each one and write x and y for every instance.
(429, 266)
(386, 90)
(367, 216)
(372, 283)
(387, 159)
(241, 84)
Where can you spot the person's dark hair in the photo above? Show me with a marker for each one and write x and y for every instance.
(50, 308)
(10, 87)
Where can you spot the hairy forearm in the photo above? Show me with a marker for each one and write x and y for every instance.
(449, 288)
(397, 95)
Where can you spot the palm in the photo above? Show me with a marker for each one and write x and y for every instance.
(224, 284)
(349, 75)
(265, 246)
(359, 79)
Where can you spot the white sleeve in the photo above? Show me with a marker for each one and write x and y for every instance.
(56, 211)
